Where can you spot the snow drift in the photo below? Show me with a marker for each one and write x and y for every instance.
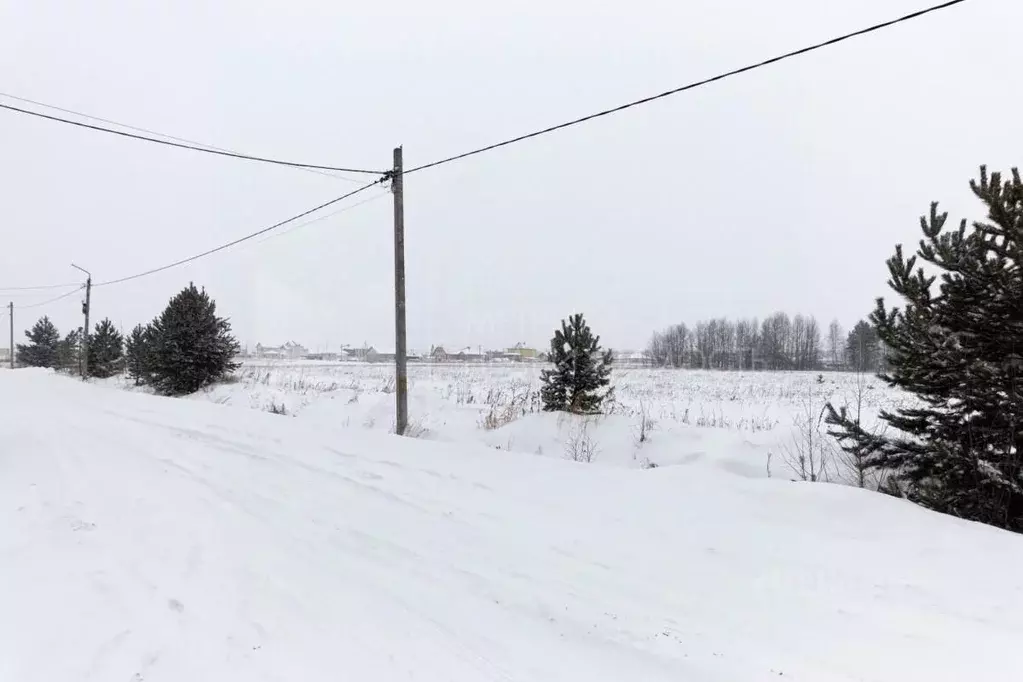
(150, 539)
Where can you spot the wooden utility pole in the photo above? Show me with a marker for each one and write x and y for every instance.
(400, 368)
(10, 308)
(84, 359)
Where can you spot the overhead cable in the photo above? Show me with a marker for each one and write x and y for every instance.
(247, 237)
(691, 86)
(50, 300)
(182, 145)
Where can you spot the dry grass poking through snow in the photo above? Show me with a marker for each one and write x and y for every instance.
(657, 416)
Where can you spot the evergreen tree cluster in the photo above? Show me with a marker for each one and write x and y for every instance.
(46, 348)
(187, 347)
(580, 371)
(43, 347)
(959, 350)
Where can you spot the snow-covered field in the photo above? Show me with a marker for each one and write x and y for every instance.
(147, 539)
(658, 417)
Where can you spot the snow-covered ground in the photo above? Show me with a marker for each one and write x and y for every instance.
(745, 422)
(146, 539)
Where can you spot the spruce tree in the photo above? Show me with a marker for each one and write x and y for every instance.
(148, 360)
(862, 347)
(106, 350)
(960, 352)
(135, 354)
(42, 351)
(69, 352)
(580, 371)
(190, 346)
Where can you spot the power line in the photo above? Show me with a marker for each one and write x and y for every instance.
(182, 145)
(388, 174)
(691, 86)
(275, 226)
(247, 237)
(39, 288)
(53, 300)
(295, 228)
(148, 131)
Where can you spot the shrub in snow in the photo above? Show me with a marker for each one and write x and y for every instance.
(580, 447)
(42, 351)
(106, 350)
(188, 346)
(646, 424)
(580, 371)
(961, 352)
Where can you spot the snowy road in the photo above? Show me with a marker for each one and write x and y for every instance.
(148, 539)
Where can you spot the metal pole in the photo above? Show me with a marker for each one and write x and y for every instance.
(84, 359)
(400, 369)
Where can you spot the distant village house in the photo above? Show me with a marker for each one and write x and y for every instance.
(289, 351)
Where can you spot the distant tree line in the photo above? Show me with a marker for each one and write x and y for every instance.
(779, 342)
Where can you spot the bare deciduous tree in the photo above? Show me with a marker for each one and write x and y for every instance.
(835, 340)
(780, 342)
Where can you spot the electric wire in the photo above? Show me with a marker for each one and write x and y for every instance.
(41, 287)
(148, 131)
(295, 228)
(50, 300)
(247, 237)
(691, 86)
(181, 145)
(386, 176)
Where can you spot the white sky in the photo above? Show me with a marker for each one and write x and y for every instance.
(784, 189)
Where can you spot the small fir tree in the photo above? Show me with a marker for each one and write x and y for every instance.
(862, 348)
(42, 351)
(580, 371)
(106, 350)
(960, 352)
(69, 353)
(190, 346)
(135, 354)
(149, 339)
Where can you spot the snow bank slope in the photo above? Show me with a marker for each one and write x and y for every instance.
(146, 539)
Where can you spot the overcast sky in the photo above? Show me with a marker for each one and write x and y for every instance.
(784, 189)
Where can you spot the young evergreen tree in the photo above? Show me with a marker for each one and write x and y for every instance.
(580, 371)
(135, 354)
(960, 351)
(149, 338)
(42, 351)
(106, 350)
(69, 352)
(190, 346)
(863, 348)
